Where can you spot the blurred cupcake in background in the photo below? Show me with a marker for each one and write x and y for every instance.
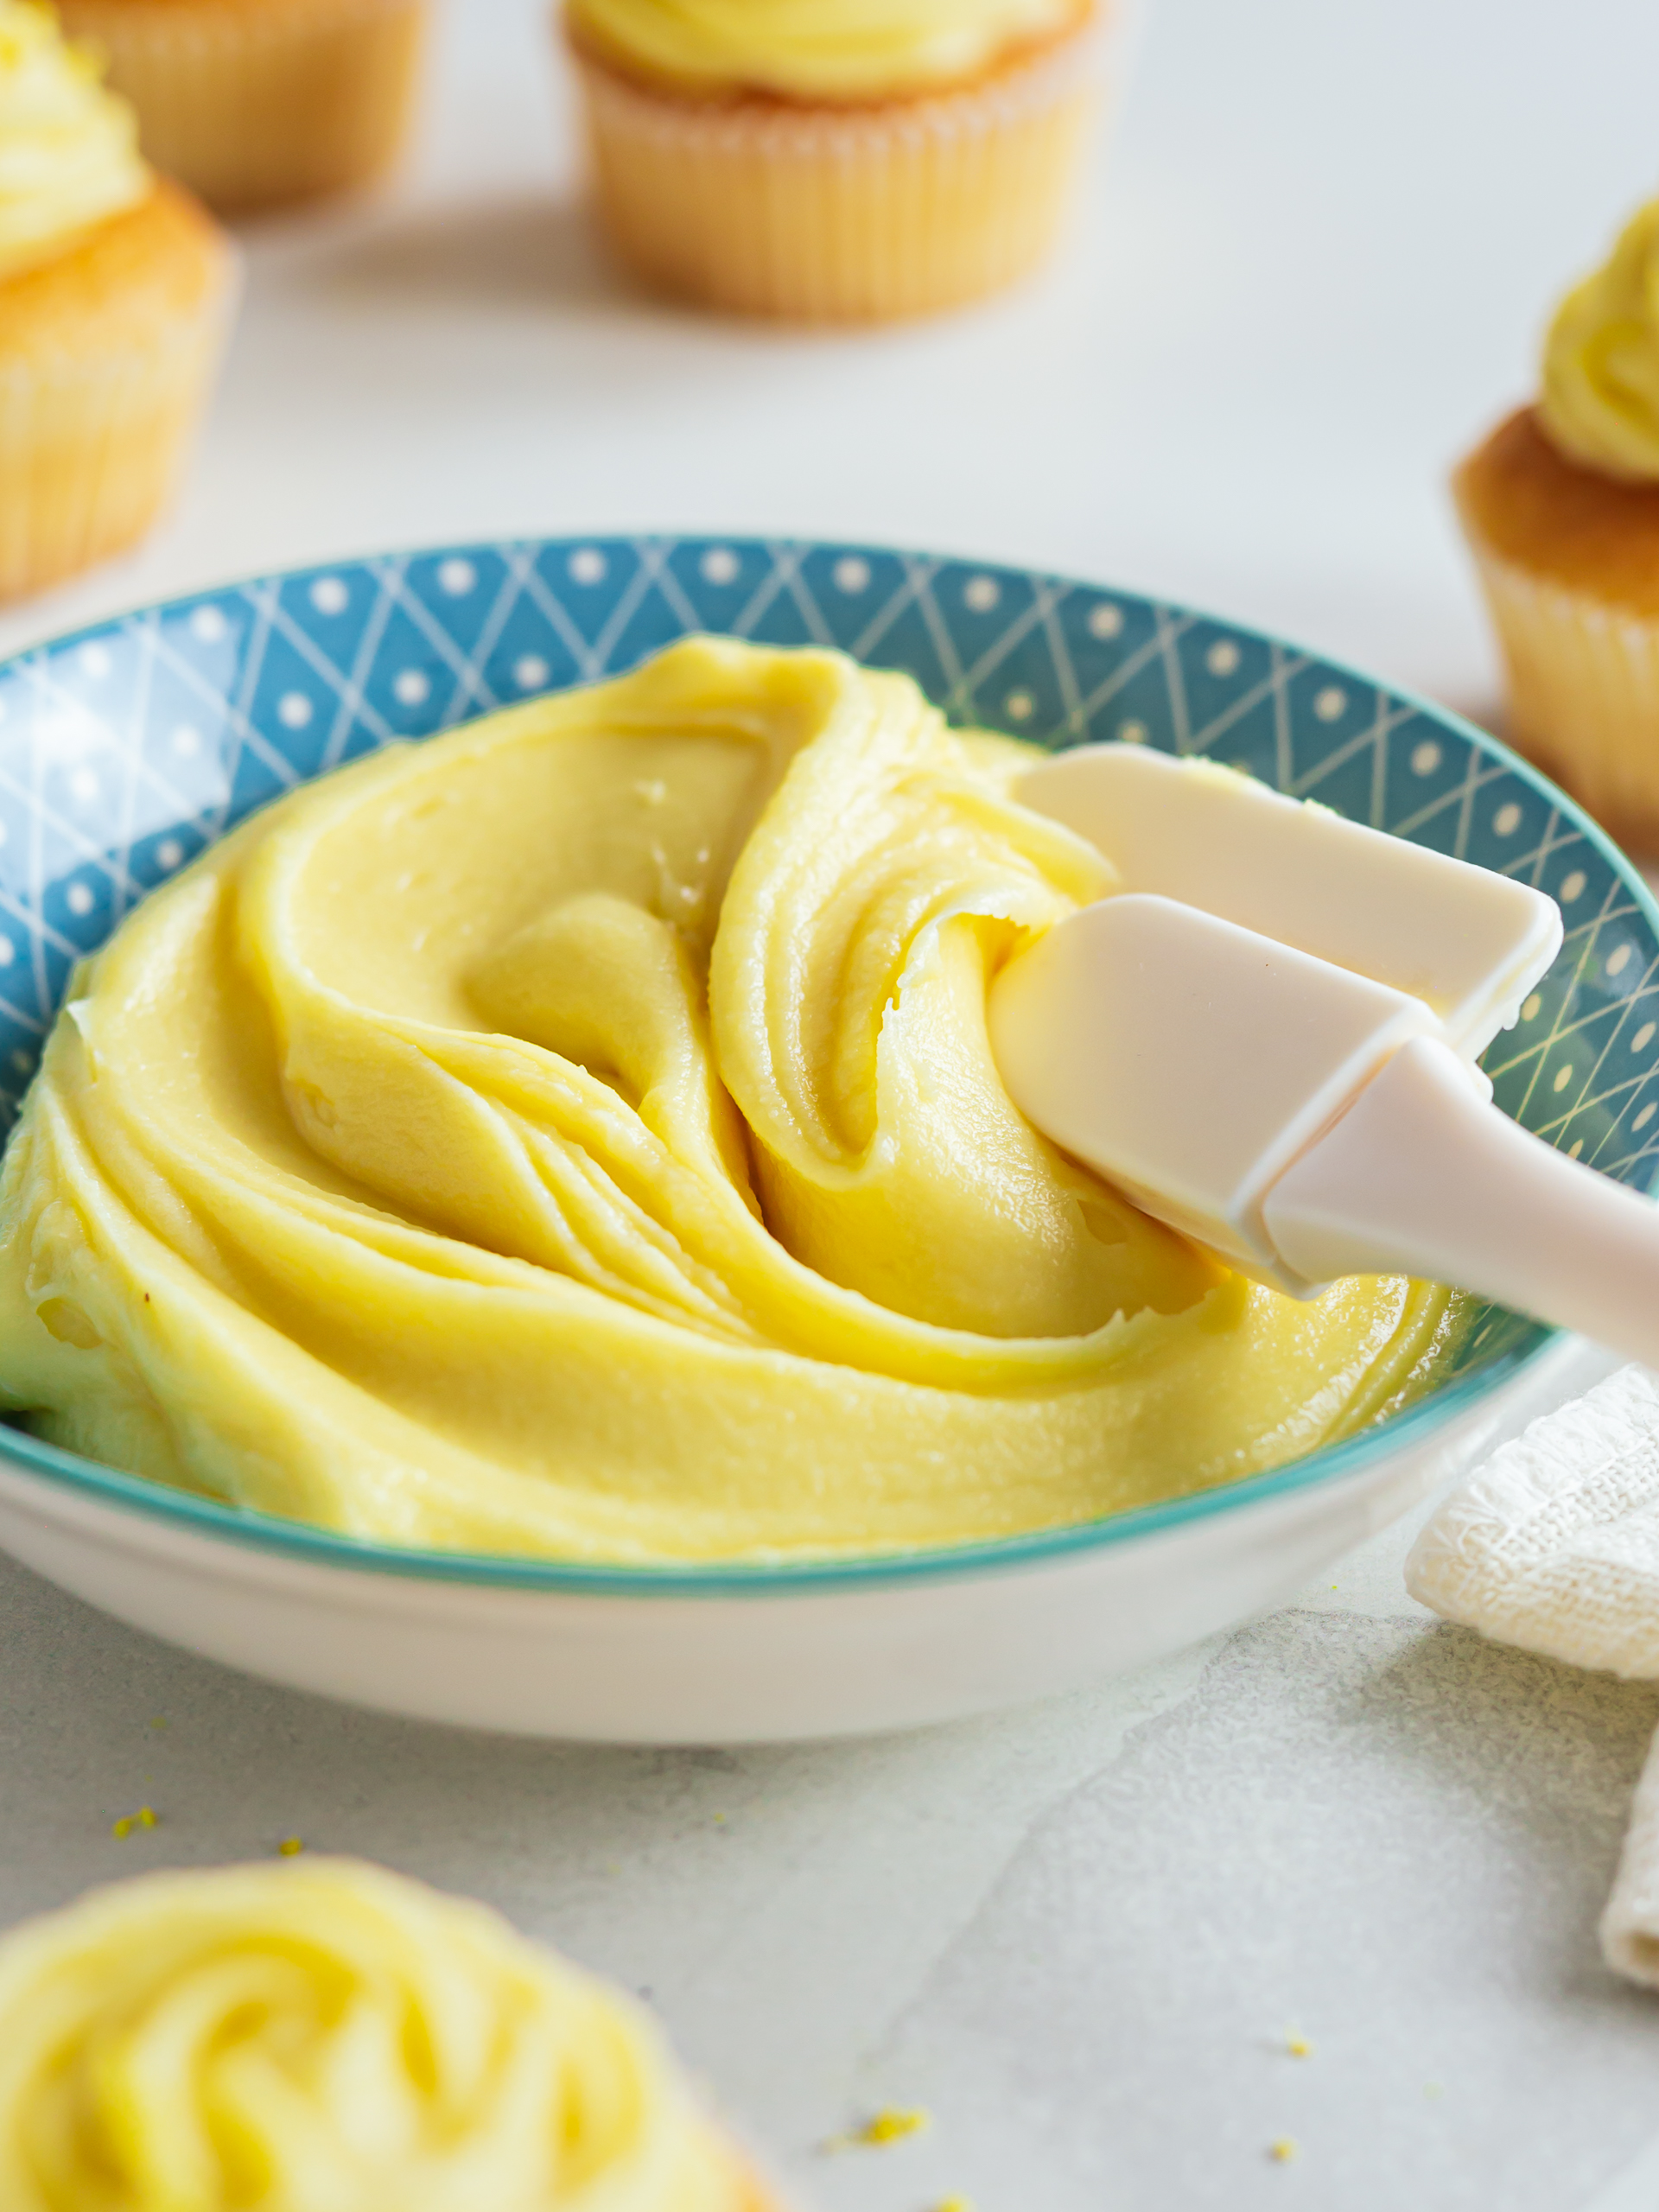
(114, 292)
(256, 103)
(1560, 504)
(835, 160)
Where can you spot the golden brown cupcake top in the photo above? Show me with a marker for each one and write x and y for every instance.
(126, 281)
(1532, 506)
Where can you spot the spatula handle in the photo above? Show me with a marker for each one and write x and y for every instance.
(1423, 1176)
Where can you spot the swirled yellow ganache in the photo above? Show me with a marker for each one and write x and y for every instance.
(818, 49)
(577, 1134)
(68, 148)
(326, 2036)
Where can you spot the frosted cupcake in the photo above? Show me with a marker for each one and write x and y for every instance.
(113, 292)
(835, 160)
(1560, 504)
(253, 103)
(321, 2033)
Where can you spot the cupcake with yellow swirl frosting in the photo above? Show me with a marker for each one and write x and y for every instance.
(835, 160)
(113, 292)
(325, 2036)
(1560, 504)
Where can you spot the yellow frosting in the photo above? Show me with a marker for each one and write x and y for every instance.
(322, 2035)
(68, 148)
(1600, 402)
(578, 1134)
(817, 49)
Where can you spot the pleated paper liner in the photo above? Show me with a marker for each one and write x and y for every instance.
(255, 103)
(844, 214)
(1583, 680)
(99, 395)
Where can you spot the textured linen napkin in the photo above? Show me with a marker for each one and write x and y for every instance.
(1554, 1546)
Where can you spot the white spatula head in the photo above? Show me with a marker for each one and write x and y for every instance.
(1467, 942)
(1190, 1061)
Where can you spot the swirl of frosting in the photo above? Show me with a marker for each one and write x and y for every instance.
(817, 49)
(579, 1134)
(68, 148)
(326, 2036)
(1600, 400)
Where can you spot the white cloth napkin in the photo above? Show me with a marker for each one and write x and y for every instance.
(1554, 1546)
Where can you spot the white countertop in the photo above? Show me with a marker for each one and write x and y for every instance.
(1312, 268)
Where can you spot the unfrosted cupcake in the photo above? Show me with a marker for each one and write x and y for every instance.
(321, 2033)
(114, 287)
(1560, 504)
(835, 160)
(253, 103)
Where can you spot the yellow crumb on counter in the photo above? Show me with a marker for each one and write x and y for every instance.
(890, 2125)
(1299, 2046)
(291, 1846)
(955, 2204)
(143, 1818)
(1283, 2151)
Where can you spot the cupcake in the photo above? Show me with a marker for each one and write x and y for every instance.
(321, 2033)
(114, 287)
(253, 103)
(1560, 504)
(860, 161)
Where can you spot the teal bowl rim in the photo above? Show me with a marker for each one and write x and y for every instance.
(270, 1532)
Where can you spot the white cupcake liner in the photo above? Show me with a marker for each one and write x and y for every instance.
(92, 445)
(1583, 693)
(844, 213)
(251, 106)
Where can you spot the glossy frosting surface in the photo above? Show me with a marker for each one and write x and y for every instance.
(817, 49)
(578, 1134)
(325, 2036)
(1600, 400)
(68, 148)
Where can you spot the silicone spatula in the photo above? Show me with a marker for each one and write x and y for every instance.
(1267, 1038)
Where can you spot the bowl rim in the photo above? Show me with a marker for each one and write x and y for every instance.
(194, 1514)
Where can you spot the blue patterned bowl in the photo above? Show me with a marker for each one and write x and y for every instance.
(126, 748)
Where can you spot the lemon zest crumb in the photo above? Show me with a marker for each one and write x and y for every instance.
(888, 2126)
(1299, 2046)
(1283, 2151)
(955, 2204)
(160, 1721)
(290, 1848)
(892, 2126)
(143, 1818)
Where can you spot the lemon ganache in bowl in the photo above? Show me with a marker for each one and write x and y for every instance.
(505, 1120)
(579, 1136)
